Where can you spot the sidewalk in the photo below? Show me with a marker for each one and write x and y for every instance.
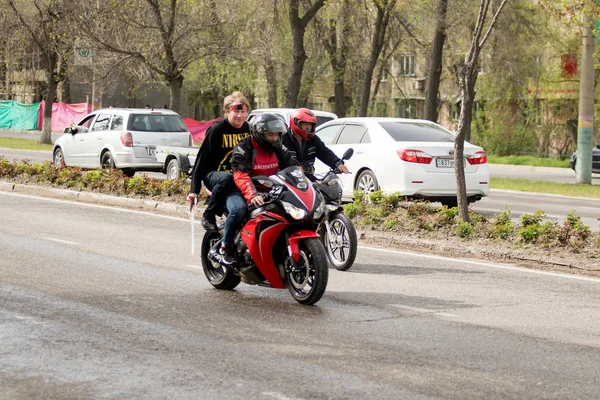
(32, 135)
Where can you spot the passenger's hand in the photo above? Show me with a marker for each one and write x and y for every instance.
(192, 198)
(343, 168)
(257, 201)
(206, 191)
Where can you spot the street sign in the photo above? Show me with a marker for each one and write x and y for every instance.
(83, 56)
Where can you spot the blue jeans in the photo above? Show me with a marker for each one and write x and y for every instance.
(237, 209)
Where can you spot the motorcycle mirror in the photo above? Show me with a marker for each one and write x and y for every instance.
(348, 153)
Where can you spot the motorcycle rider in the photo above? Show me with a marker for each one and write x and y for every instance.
(213, 162)
(305, 146)
(259, 154)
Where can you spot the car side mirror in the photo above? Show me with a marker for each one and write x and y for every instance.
(348, 154)
(598, 146)
(68, 130)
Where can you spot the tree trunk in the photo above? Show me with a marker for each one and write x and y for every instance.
(270, 71)
(459, 145)
(298, 26)
(340, 94)
(52, 58)
(384, 9)
(435, 64)
(271, 76)
(298, 58)
(175, 84)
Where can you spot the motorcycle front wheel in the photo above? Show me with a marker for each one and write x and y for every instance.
(341, 246)
(307, 280)
(218, 276)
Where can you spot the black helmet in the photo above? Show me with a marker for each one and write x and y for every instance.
(264, 123)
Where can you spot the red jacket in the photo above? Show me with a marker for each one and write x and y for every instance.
(249, 159)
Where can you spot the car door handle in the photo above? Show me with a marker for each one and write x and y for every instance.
(81, 139)
(360, 151)
(99, 137)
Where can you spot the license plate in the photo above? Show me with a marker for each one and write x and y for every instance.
(444, 163)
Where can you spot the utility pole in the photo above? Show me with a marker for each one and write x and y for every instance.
(585, 130)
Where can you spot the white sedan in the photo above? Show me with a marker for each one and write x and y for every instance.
(409, 156)
(123, 138)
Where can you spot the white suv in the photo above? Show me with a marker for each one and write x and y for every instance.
(286, 113)
(123, 138)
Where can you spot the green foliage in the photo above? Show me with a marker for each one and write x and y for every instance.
(530, 233)
(502, 226)
(532, 219)
(377, 197)
(464, 229)
(552, 161)
(447, 216)
(112, 182)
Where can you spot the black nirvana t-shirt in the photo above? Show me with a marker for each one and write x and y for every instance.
(215, 152)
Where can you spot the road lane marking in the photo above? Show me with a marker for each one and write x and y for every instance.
(193, 266)
(62, 241)
(487, 264)
(79, 203)
(425, 310)
(186, 220)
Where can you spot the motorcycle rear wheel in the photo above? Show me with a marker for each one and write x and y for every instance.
(342, 246)
(307, 282)
(218, 276)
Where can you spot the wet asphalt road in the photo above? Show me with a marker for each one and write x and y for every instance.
(98, 302)
(555, 207)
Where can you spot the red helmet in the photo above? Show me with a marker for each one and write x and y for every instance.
(303, 115)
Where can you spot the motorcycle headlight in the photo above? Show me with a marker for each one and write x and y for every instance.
(319, 211)
(295, 212)
(333, 181)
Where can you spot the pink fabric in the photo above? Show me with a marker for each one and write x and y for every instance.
(64, 114)
(198, 128)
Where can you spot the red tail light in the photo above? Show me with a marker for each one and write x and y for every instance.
(478, 158)
(414, 156)
(126, 139)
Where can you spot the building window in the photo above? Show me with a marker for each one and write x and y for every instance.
(407, 65)
(568, 65)
(384, 74)
(455, 110)
(406, 108)
(381, 110)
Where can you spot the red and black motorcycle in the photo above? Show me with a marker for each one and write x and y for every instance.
(278, 246)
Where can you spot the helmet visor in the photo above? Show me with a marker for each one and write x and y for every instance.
(275, 125)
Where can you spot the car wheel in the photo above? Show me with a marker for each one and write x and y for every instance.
(59, 158)
(367, 182)
(173, 169)
(107, 161)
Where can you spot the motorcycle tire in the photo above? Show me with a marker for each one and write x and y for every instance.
(342, 247)
(218, 276)
(307, 281)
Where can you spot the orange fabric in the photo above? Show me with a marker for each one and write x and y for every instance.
(244, 182)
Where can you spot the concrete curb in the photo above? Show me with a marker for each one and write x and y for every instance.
(95, 198)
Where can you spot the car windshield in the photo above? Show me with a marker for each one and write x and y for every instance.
(417, 132)
(322, 120)
(156, 123)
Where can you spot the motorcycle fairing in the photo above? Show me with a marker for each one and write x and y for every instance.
(260, 245)
(306, 197)
(295, 239)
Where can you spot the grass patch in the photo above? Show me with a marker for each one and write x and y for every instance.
(529, 160)
(23, 144)
(562, 188)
